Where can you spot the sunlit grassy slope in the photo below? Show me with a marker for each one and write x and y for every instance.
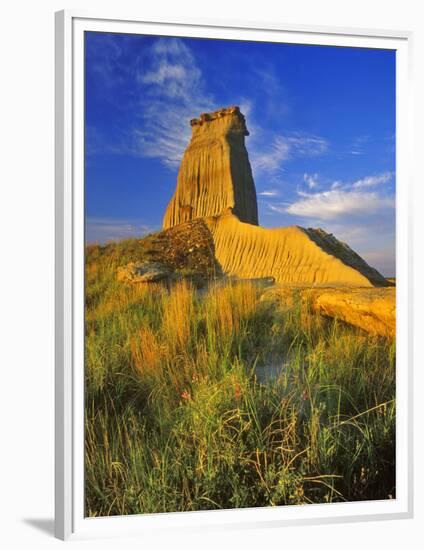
(177, 420)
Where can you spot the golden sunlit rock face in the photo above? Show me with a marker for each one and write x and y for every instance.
(370, 309)
(292, 255)
(215, 172)
(373, 310)
(215, 183)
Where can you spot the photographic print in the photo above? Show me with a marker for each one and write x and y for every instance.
(240, 280)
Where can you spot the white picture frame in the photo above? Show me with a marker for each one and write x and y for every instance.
(70, 522)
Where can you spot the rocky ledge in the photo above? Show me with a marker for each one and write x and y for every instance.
(233, 111)
(370, 309)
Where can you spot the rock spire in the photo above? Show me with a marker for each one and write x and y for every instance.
(215, 173)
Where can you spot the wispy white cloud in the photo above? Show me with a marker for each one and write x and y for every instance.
(172, 70)
(370, 181)
(274, 103)
(340, 199)
(102, 230)
(308, 145)
(358, 145)
(270, 160)
(329, 205)
(270, 155)
(167, 73)
(311, 180)
(173, 93)
(269, 193)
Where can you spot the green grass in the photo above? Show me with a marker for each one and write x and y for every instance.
(176, 419)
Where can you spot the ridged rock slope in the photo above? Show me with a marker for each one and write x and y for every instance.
(215, 172)
(292, 255)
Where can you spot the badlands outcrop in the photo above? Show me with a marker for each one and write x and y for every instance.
(370, 309)
(215, 172)
(373, 310)
(215, 183)
(291, 255)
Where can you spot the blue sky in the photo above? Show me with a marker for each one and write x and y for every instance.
(321, 122)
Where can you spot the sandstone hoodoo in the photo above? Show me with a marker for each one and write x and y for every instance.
(215, 172)
(215, 183)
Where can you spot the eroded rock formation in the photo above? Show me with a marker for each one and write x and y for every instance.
(373, 310)
(215, 183)
(370, 309)
(215, 172)
(291, 255)
(145, 272)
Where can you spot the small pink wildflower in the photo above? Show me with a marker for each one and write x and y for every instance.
(237, 392)
(186, 395)
(304, 396)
